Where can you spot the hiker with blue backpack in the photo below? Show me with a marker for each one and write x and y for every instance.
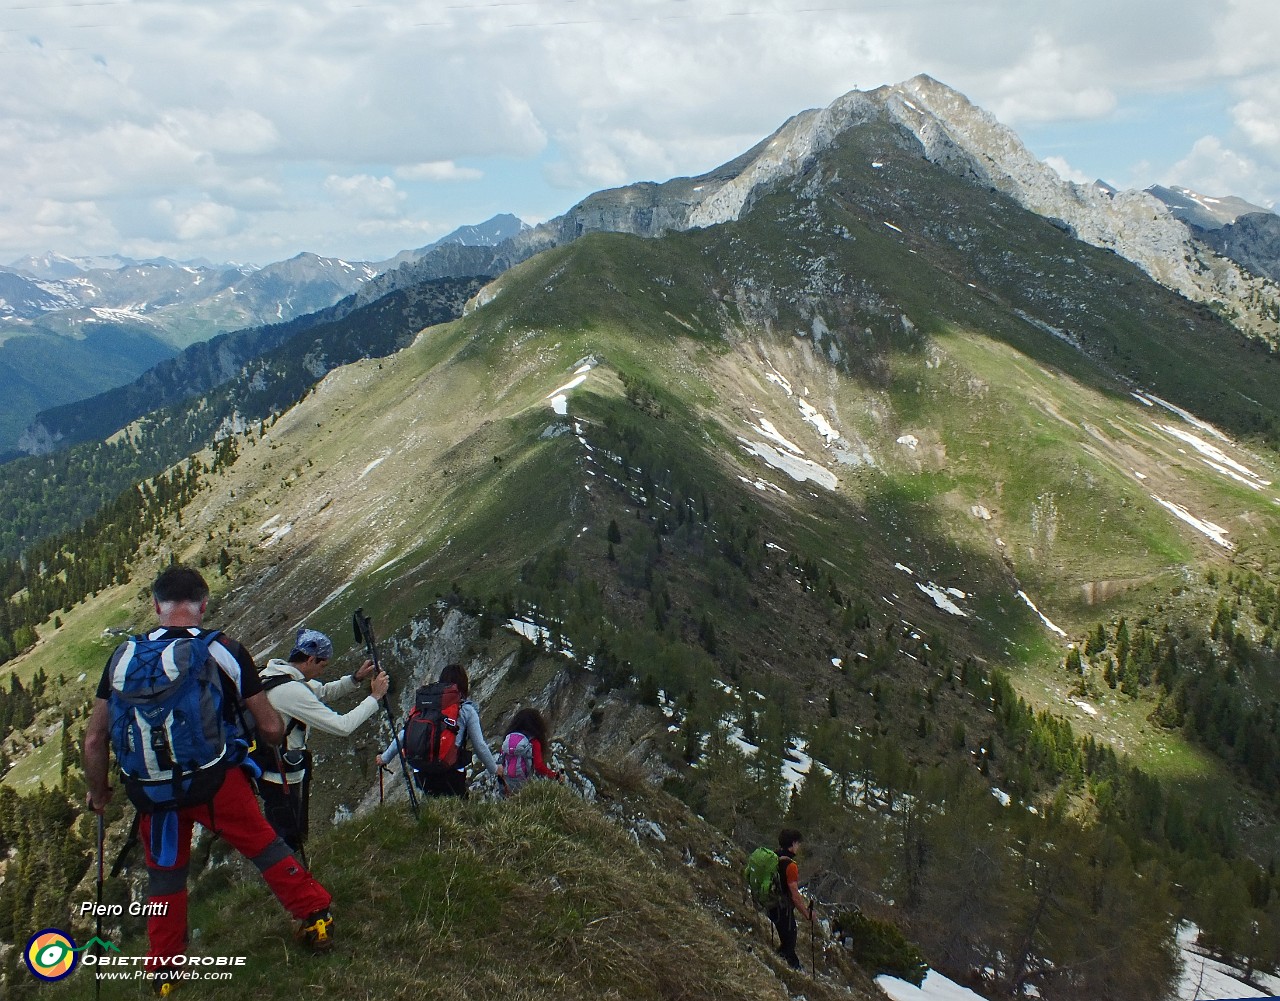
(440, 736)
(169, 707)
(521, 755)
(296, 693)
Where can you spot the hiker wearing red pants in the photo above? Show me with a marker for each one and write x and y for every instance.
(218, 796)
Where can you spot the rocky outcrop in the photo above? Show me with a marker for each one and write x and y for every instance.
(1134, 224)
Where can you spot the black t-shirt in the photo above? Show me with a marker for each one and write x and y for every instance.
(239, 673)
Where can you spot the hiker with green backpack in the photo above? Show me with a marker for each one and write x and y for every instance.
(773, 879)
(296, 693)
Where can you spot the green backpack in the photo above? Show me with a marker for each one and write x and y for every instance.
(761, 874)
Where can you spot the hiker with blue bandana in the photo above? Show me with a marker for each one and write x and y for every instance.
(296, 693)
(172, 707)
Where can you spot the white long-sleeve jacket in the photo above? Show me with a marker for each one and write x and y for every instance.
(304, 702)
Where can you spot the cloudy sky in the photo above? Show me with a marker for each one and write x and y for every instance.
(251, 130)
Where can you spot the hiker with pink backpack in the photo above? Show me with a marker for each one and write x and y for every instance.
(521, 757)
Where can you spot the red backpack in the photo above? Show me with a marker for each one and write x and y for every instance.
(431, 731)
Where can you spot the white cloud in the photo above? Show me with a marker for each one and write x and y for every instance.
(1051, 82)
(205, 220)
(439, 170)
(365, 195)
(240, 132)
(1066, 171)
(272, 128)
(1213, 169)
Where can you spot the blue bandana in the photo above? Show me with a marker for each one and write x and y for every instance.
(312, 643)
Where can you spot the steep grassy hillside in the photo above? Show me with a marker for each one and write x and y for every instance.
(544, 896)
(136, 431)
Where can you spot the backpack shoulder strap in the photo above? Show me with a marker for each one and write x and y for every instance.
(275, 681)
(203, 641)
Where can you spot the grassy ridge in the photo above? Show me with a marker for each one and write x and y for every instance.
(539, 898)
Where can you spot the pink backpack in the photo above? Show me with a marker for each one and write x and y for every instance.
(516, 760)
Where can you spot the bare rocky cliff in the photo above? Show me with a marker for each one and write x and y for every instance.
(1134, 224)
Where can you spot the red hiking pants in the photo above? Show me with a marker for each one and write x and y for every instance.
(232, 814)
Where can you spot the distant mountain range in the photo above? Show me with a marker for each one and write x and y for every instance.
(177, 303)
(1247, 234)
(1224, 252)
(1205, 212)
(71, 328)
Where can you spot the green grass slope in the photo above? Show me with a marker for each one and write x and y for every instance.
(541, 897)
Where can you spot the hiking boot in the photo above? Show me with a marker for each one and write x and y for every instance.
(317, 932)
(163, 984)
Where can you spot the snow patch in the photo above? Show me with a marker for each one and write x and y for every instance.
(1190, 418)
(1217, 458)
(941, 599)
(798, 469)
(1203, 977)
(1032, 605)
(373, 465)
(276, 536)
(934, 987)
(824, 427)
(559, 397)
(777, 377)
(766, 428)
(1215, 532)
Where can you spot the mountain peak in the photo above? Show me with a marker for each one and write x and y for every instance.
(1203, 211)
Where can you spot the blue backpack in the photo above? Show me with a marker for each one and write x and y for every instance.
(172, 734)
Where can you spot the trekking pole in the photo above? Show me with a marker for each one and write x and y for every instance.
(813, 968)
(97, 928)
(129, 844)
(364, 634)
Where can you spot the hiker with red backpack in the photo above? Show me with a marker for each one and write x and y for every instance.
(440, 736)
(521, 756)
(169, 708)
(296, 693)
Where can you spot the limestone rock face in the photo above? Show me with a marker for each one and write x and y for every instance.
(1134, 224)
